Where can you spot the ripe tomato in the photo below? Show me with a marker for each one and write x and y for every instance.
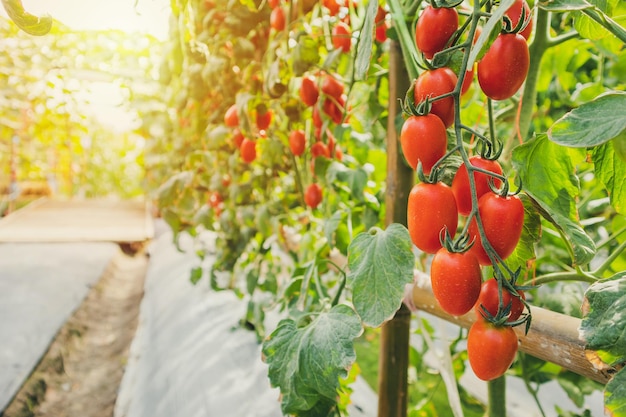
(461, 186)
(423, 138)
(273, 3)
(490, 349)
(231, 118)
(277, 19)
(309, 92)
(434, 29)
(319, 149)
(342, 37)
(488, 298)
(238, 138)
(248, 150)
(503, 221)
(297, 142)
(313, 195)
(515, 14)
(467, 81)
(381, 32)
(331, 86)
(263, 120)
(503, 69)
(433, 83)
(430, 209)
(334, 108)
(456, 280)
(332, 6)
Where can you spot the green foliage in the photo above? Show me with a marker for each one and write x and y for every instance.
(381, 264)
(307, 361)
(547, 172)
(591, 124)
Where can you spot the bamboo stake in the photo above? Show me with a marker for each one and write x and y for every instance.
(394, 346)
(553, 337)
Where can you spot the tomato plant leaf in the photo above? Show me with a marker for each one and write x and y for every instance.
(364, 46)
(524, 253)
(331, 225)
(547, 174)
(356, 179)
(306, 362)
(603, 328)
(615, 395)
(592, 123)
(380, 264)
(564, 5)
(611, 170)
(29, 23)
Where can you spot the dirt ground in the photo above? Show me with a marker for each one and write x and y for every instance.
(80, 374)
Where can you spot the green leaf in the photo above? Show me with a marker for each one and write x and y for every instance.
(604, 326)
(29, 23)
(531, 233)
(364, 46)
(564, 5)
(195, 275)
(356, 179)
(615, 395)
(611, 170)
(307, 362)
(591, 124)
(547, 175)
(381, 264)
(331, 225)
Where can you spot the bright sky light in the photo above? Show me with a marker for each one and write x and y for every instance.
(149, 16)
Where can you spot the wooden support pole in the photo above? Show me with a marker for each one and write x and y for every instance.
(553, 337)
(394, 345)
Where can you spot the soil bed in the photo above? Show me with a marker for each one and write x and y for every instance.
(79, 375)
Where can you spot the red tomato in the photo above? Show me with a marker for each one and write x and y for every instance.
(456, 280)
(332, 6)
(503, 69)
(248, 150)
(433, 83)
(317, 118)
(277, 19)
(297, 142)
(231, 118)
(503, 221)
(334, 109)
(467, 81)
(238, 138)
(488, 299)
(490, 349)
(423, 138)
(313, 195)
(381, 32)
(263, 120)
(331, 86)
(342, 37)
(434, 29)
(319, 149)
(461, 186)
(273, 3)
(515, 14)
(430, 209)
(309, 92)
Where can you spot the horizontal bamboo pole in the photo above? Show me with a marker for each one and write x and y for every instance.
(552, 337)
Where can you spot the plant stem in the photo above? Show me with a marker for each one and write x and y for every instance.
(537, 49)
(564, 276)
(607, 263)
(496, 394)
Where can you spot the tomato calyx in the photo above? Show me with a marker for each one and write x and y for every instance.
(437, 4)
(522, 23)
(515, 298)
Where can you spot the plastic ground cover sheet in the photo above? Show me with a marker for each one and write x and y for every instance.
(190, 358)
(41, 284)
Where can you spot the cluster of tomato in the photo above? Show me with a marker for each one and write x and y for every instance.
(435, 208)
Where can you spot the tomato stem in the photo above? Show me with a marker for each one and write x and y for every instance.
(496, 394)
